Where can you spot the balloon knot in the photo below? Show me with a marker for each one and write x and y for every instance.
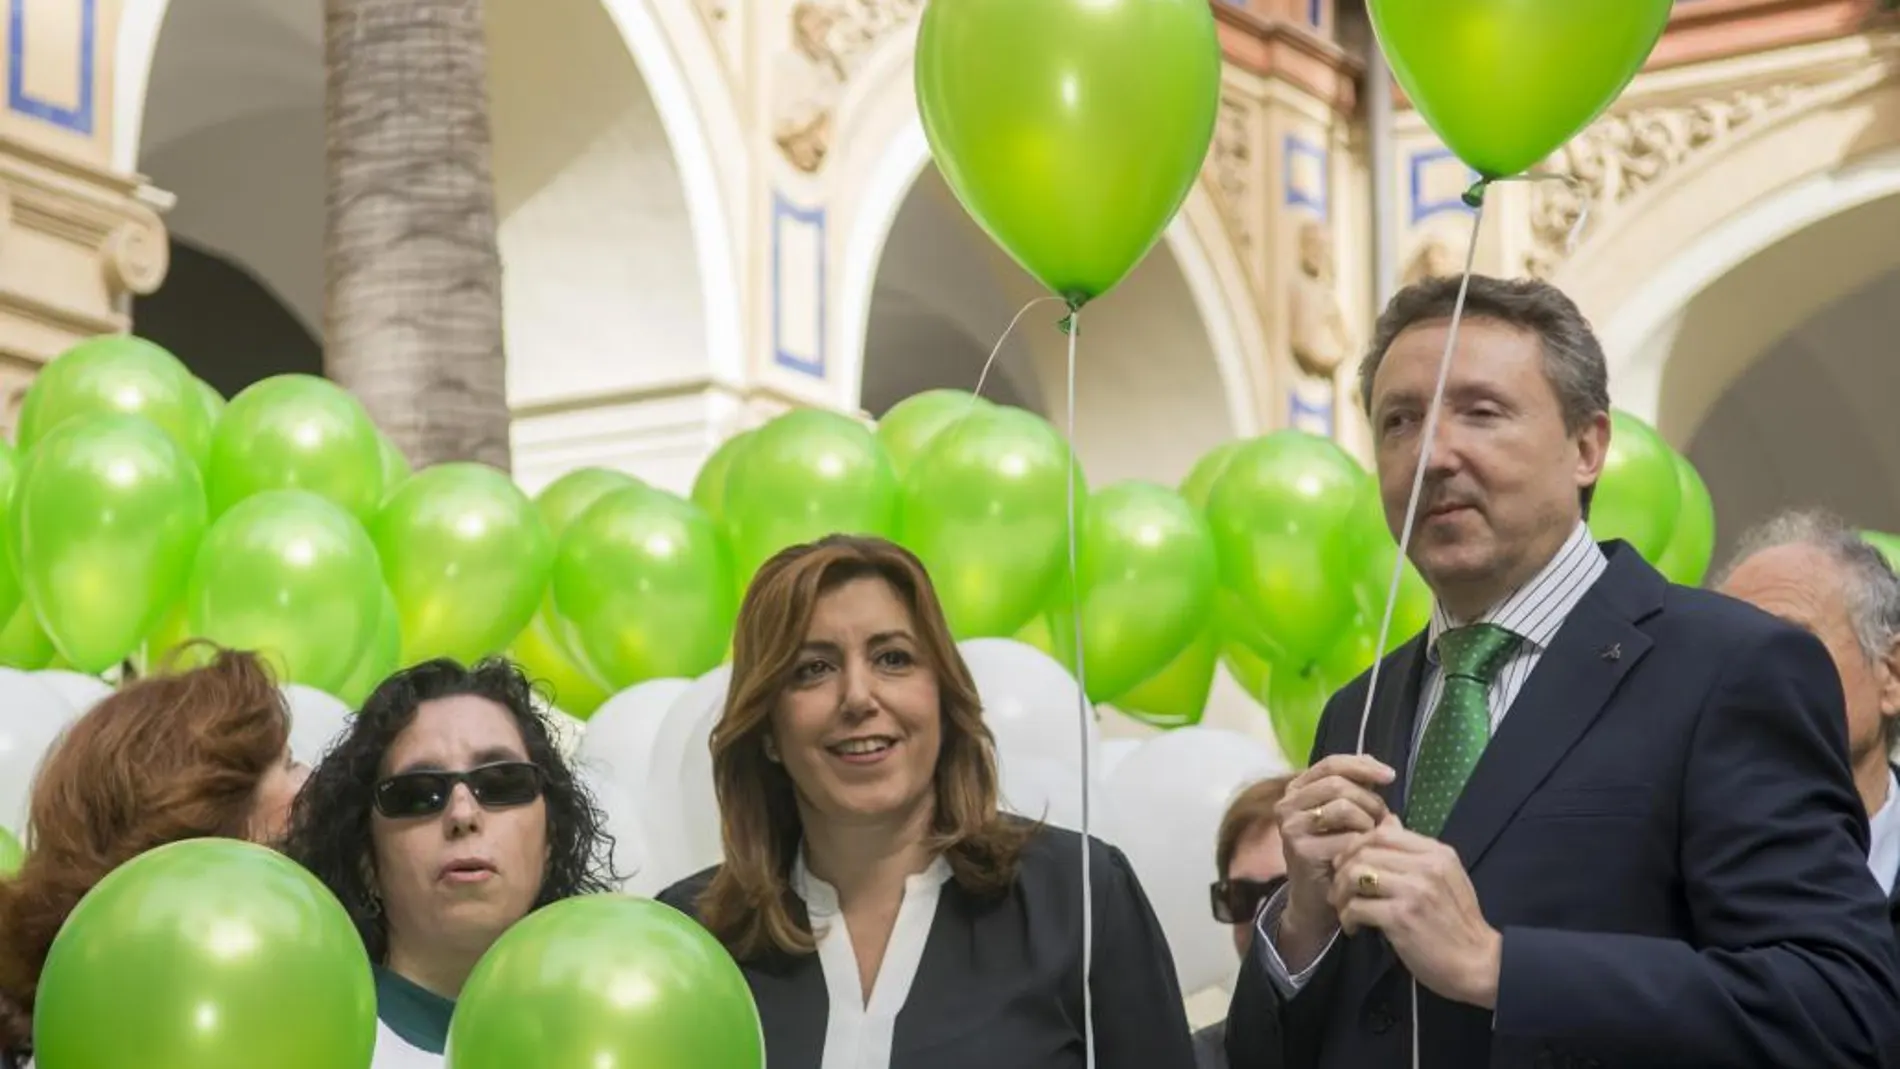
(1474, 197)
(1067, 324)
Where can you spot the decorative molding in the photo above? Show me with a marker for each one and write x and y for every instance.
(1290, 51)
(77, 117)
(1307, 174)
(1231, 168)
(831, 39)
(798, 287)
(1624, 154)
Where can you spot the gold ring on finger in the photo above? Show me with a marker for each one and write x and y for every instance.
(1368, 882)
(1318, 813)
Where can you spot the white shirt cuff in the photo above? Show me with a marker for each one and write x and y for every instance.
(1288, 984)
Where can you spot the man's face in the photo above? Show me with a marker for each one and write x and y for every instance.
(1503, 476)
(1803, 586)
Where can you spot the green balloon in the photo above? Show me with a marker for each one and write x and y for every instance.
(560, 990)
(1207, 471)
(23, 644)
(107, 519)
(1296, 697)
(1504, 83)
(1692, 543)
(1370, 545)
(564, 499)
(381, 657)
(1147, 565)
(117, 374)
(12, 593)
(804, 475)
(467, 557)
(1253, 672)
(646, 583)
(12, 854)
(1176, 696)
(206, 954)
(1639, 493)
(709, 486)
(909, 426)
(395, 466)
(213, 402)
(297, 432)
(1071, 130)
(985, 509)
(1888, 545)
(1280, 514)
(544, 656)
(294, 577)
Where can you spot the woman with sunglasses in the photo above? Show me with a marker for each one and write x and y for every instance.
(182, 755)
(444, 815)
(1252, 865)
(884, 912)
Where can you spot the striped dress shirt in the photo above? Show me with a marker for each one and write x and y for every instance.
(1534, 612)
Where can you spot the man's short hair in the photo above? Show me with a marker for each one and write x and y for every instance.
(1251, 812)
(1573, 358)
(1868, 582)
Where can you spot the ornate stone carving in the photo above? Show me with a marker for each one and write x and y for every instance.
(1230, 163)
(830, 41)
(1433, 257)
(1320, 338)
(136, 255)
(1621, 155)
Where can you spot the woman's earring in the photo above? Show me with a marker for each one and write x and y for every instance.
(771, 750)
(375, 903)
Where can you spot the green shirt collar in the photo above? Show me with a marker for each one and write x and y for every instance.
(419, 1016)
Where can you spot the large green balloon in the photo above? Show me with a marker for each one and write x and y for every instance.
(395, 466)
(107, 519)
(297, 432)
(562, 501)
(985, 509)
(1296, 698)
(1504, 83)
(467, 557)
(1279, 514)
(12, 593)
(1692, 543)
(909, 426)
(23, 643)
(1176, 696)
(206, 954)
(213, 401)
(1207, 471)
(1373, 555)
(115, 374)
(606, 980)
(381, 656)
(291, 575)
(709, 486)
(11, 854)
(1887, 544)
(1148, 575)
(804, 475)
(1639, 493)
(1071, 130)
(542, 653)
(647, 584)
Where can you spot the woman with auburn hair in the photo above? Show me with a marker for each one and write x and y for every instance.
(197, 754)
(884, 911)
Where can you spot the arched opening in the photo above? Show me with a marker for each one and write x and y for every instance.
(231, 124)
(1151, 398)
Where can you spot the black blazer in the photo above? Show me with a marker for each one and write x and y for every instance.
(1666, 831)
(999, 985)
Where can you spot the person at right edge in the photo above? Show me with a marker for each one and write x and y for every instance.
(1602, 820)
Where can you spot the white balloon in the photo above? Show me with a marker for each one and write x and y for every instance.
(568, 731)
(1166, 801)
(32, 716)
(630, 862)
(1114, 752)
(317, 720)
(82, 692)
(1032, 705)
(680, 807)
(622, 732)
(1051, 792)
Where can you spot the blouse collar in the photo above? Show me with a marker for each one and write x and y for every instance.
(821, 898)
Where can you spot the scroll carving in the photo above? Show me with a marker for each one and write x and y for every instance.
(1621, 155)
(136, 254)
(1230, 162)
(830, 41)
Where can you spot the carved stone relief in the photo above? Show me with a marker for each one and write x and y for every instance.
(1230, 163)
(1622, 155)
(830, 41)
(1432, 257)
(1319, 337)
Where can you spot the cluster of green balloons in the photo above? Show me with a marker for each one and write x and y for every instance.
(1887, 544)
(1651, 497)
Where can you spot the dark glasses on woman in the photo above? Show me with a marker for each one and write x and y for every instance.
(424, 794)
(1239, 901)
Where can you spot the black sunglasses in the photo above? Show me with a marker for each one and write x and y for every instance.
(424, 794)
(1238, 901)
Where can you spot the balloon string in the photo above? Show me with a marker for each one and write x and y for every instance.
(1475, 198)
(984, 376)
(1072, 326)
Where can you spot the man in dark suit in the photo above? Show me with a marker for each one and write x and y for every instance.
(1814, 571)
(1600, 820)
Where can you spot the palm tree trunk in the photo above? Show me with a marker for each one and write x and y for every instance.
(412, 270)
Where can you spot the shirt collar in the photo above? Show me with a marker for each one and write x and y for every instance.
(1883, 849)
(821, 898)
(1535, 611)
(417, 1015)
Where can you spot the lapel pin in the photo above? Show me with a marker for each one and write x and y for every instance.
(1611, 652)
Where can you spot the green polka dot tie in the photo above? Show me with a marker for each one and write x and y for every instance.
(1460, 726)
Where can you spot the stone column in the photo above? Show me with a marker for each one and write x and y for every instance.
(77, 240)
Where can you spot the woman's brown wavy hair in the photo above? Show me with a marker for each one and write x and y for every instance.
(749, 905)
(169, 757)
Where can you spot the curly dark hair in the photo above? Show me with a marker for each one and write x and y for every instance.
(330, 823)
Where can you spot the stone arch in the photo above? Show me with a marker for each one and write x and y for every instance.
(1751, 341)
(1194, 275)
(614, 136)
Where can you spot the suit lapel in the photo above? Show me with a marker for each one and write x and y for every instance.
(1598, 644)
(1395, 716)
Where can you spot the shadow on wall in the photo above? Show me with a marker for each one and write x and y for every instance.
(227, 326)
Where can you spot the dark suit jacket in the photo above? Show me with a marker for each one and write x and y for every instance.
(1666, 832)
